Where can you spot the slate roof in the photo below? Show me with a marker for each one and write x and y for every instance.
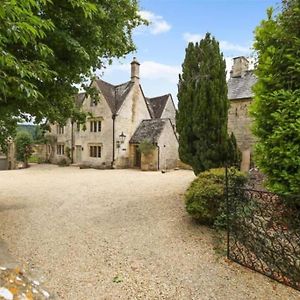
(241, 87)
(114, 94)
(157, 105)
(148, 130)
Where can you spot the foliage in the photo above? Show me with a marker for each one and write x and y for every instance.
(48, 47)
(146, 147)
(7, 130)
(35, 131)
(205, 198)
(68, 152)
(201, 120)
(23, 146)
(38, 135)
(234, 156)
(35, 159)
(63, 162)
(276, 106)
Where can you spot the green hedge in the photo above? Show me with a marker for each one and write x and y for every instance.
(205, 198)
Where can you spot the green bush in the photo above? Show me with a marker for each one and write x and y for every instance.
(206, 199)
(23, 146)
(63, 162)
(36, 159)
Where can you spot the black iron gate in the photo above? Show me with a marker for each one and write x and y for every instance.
(263, 233)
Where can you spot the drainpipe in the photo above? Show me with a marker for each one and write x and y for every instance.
(72, 141)
(113, 140)
(158, 153)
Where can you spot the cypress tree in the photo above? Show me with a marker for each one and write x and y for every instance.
(203, 106)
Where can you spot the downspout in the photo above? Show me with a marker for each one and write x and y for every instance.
(113, 141)
(158, 154)
(72, 141)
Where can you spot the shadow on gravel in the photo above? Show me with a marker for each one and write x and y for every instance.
(4, 207)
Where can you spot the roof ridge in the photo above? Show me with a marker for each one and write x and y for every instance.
(113, 85)
(164, 95)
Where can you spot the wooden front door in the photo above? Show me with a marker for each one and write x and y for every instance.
(78, 154)
(137, 157)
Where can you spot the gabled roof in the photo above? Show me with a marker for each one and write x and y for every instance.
(157, 105)
(79, 98)
(241, 87)
(114, 94)
(148, 130)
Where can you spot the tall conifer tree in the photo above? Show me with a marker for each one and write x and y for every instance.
(203, 106)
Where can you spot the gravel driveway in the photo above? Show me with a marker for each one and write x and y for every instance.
(118, 234)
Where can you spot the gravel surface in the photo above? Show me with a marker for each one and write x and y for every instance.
(118, 234)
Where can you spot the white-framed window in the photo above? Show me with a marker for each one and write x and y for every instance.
(60, 149)
(60, 129)
(95, 151)
(95, 126)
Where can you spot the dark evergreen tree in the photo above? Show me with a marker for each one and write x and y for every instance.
(203, 106)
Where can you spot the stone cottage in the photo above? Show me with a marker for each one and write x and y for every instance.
(240, 96)
(8, 160)
(119, 122)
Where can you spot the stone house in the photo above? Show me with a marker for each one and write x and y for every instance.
(119, 122)
(8, 160)
(240, 95)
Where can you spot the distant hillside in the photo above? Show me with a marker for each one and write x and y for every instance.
(29, 128)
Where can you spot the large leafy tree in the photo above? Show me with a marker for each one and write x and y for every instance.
(49, 46)
(276, 107)
(203, 106)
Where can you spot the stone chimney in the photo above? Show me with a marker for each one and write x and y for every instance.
(135, 71)
(240, 67)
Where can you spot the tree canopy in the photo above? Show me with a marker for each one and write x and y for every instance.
(276, 106)
(49, 46)
(201, 120)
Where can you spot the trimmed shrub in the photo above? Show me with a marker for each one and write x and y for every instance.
(206, 199)
(63, 162)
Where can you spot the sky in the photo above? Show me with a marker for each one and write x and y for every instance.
(174, 23)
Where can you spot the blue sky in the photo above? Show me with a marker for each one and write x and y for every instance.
(161, 46)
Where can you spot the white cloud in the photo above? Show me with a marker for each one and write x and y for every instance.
(155, 70)
(157, 23)
(151, 70)
(192, 37)
(224, 45)
(229, 64)
(227, 46)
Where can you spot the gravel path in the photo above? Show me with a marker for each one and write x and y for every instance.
(118, 234)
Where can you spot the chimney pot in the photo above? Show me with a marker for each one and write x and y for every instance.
(135, 70)
(240, 67)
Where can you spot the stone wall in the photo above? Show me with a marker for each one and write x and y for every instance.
(239, 122)
(150, 162)
(168, 148)
(130, 115)
(169, 111)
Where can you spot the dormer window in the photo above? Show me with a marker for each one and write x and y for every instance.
(95, 126)
(60, 129)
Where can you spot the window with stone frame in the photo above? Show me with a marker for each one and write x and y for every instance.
(60, 129)
(95, 151)
(77, 126)
(60, 149)
(95, 126)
